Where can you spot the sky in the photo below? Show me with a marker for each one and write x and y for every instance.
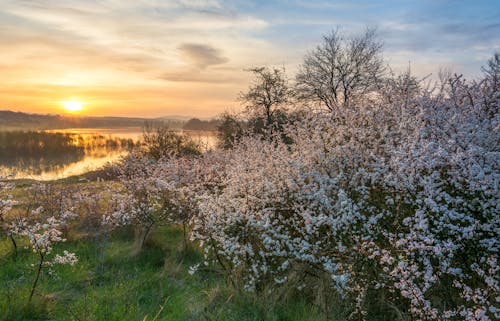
(152, 58)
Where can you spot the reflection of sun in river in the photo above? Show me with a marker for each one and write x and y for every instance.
(72, 106)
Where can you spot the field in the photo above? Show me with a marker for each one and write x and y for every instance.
(153, 284)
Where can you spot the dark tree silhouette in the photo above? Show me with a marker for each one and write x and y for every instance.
(341, 69)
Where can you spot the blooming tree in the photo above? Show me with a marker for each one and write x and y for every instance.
(6, 204)
(43, 234)
(395, 196)
(49, 210)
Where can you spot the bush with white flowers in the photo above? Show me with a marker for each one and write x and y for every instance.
(397, 196)
(7, 202)
(43, 233)
(157, 192)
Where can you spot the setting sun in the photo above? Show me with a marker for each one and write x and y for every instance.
(72, 106)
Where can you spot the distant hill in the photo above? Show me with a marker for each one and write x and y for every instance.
(175, 117)
(10, 120)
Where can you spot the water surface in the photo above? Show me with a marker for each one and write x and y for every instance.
(90, 149)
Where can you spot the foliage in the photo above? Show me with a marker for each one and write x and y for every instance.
(37, 144)
(134, 287)
(229, 131)
(398, 199)
(40, 144)
(204, 125)
(160, 141)
(43, 226)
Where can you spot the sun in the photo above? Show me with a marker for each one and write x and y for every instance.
(72, 106)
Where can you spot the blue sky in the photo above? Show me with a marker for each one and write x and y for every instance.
(428, 34)
(188, 56)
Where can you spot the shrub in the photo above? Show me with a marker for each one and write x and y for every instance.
(394, 198)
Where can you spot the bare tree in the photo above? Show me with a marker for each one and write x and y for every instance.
(492, 71)
(491, 83)
(341, 69)
(268, 93)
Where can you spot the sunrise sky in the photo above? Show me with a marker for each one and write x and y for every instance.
(187, 57)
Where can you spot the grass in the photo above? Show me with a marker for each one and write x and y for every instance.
(152, 285)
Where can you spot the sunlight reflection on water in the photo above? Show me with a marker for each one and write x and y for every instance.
(87, 164)
(97, 158)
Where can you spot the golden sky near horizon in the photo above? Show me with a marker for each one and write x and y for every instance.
(154, 58)
(140, 66)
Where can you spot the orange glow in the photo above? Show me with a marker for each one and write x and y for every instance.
(72, 106)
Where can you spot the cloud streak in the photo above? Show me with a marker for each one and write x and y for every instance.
(202, 55)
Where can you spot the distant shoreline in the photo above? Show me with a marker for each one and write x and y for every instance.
(14, 121)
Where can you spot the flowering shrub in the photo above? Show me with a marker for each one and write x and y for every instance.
(6, 201)
(49, 210)
(6, 204)
(397, 196)
(393, 201)
(156, 192)
(42, 234)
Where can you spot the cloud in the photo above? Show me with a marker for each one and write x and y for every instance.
(196, 76)
(183, 76)
(201, 4)
(201, 55)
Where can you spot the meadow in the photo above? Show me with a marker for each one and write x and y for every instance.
(119, 282)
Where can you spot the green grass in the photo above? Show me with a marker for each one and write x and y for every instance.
(131, 286)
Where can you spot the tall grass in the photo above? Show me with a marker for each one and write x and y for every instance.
(38, 144)
(152, 284)
(38, 151)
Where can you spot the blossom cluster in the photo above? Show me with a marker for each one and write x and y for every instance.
(42, 236)
(394, 197)
(49, 212)
(7, 202)
(397, 194)
(154, 192)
